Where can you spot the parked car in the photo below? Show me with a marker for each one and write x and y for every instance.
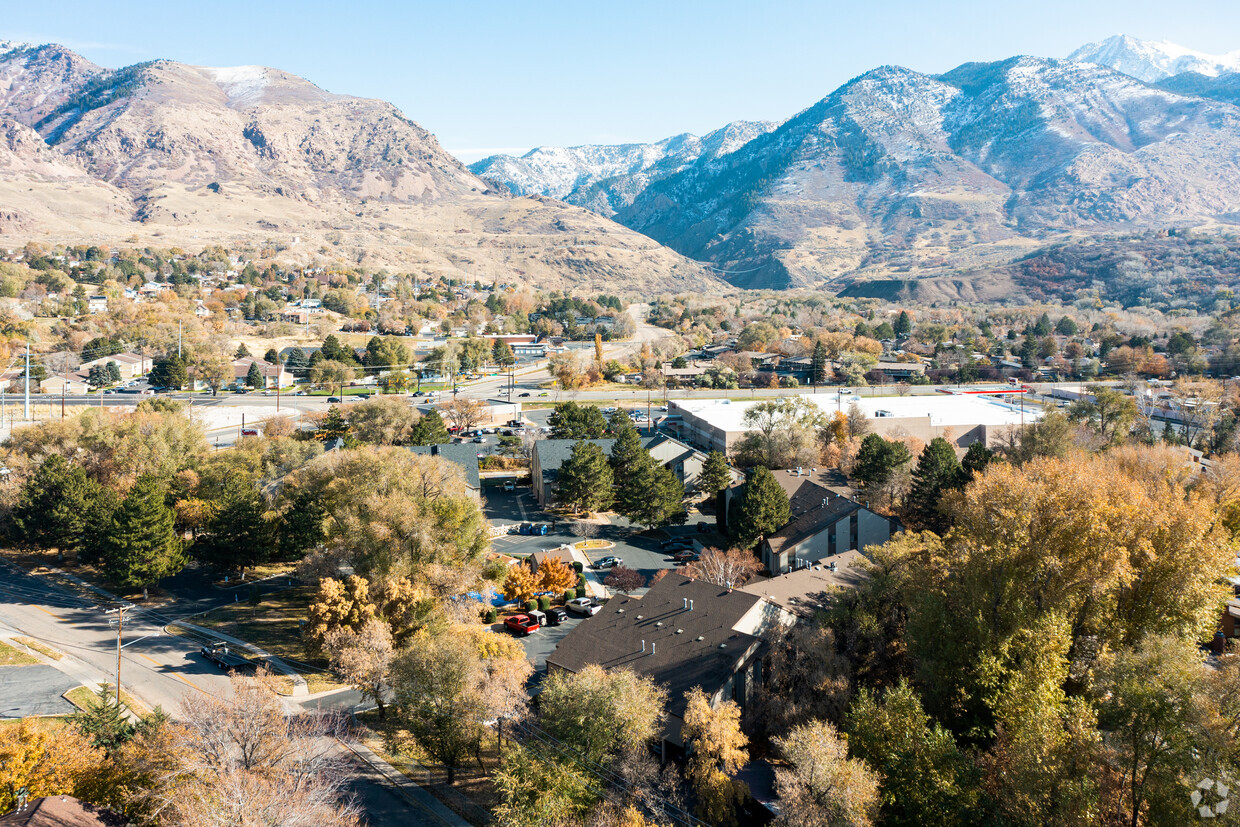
(686, 556)
(509, 485)
(583, 606)
(704, 528)
(521, 624)
(333, 400)
(556, 616)
(676, 543)
(538, 617)
(607, 562)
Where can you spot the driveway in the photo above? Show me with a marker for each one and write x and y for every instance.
(540, 645)
(34, 690)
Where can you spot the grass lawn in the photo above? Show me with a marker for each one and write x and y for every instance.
(82, 697)
(256, 573)
(273, 627)
(12, 656)
(42, 648)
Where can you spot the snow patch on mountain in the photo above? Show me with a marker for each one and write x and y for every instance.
(605, 177)
(1154, 60)
(243, 84)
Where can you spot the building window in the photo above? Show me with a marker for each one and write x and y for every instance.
(852, 530)
(831, 541)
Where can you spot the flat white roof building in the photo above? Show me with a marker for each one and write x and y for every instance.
(962, 419)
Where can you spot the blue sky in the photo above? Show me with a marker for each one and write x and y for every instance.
(506, 76)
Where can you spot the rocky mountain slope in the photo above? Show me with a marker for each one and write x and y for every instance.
(898, 172)
(182, 154)
(1154, 60)
(607, 178)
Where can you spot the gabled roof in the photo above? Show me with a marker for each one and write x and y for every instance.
(683, 648)
(464, 454)
(811, 509)
(62, 811)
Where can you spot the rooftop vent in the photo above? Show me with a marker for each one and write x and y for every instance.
(680, 631)
(723, 646)
(619, 611)
(658, 624)
(639, 617)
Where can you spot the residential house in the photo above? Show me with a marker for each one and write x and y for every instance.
(59, 811)
(563, 553)
(273, 375)
(96, 304)
(131, 365)
(462, 454)
(682, 634)
(822, 523)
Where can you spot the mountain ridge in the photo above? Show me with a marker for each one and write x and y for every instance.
(171, 153)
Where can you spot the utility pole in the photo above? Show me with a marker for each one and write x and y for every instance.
(277, 383)
(120, 630)
(178, 338)
(26, 405)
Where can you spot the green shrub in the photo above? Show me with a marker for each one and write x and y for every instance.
(544, 603)
(570, 594)
(490, 616)
(577, 566)
(531, 605)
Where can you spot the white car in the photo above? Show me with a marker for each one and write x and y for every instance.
(583, 606)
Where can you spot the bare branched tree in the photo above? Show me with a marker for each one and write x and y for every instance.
(249, 762)
(724, 568)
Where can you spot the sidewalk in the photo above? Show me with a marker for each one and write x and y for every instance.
(300, 688)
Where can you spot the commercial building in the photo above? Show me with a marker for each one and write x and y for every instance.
(717, 424)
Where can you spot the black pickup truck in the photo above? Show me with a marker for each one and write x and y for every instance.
(217, 652)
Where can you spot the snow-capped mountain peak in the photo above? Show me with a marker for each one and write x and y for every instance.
(12, 46)
(1154, 60)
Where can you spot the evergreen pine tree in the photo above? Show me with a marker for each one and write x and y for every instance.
(333, 427)
(937, 471)
(1169, 435)
(716, 475)
(297, 360)
(430, 430)
(254, 377)
(903, 325)
(650, 495)
(62, 508)
(242, 351)
(585, 479)
(878, 459)
(104, 721)
(762, 508)
(141, 546)
(271, 356)
(818, 364)
(238, 536)
(626, 452)
(976, 459)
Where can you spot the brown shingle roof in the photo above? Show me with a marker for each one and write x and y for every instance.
(613, 638)
(62, 811)
(805, 591)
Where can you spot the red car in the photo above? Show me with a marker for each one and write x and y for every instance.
(521, 624)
